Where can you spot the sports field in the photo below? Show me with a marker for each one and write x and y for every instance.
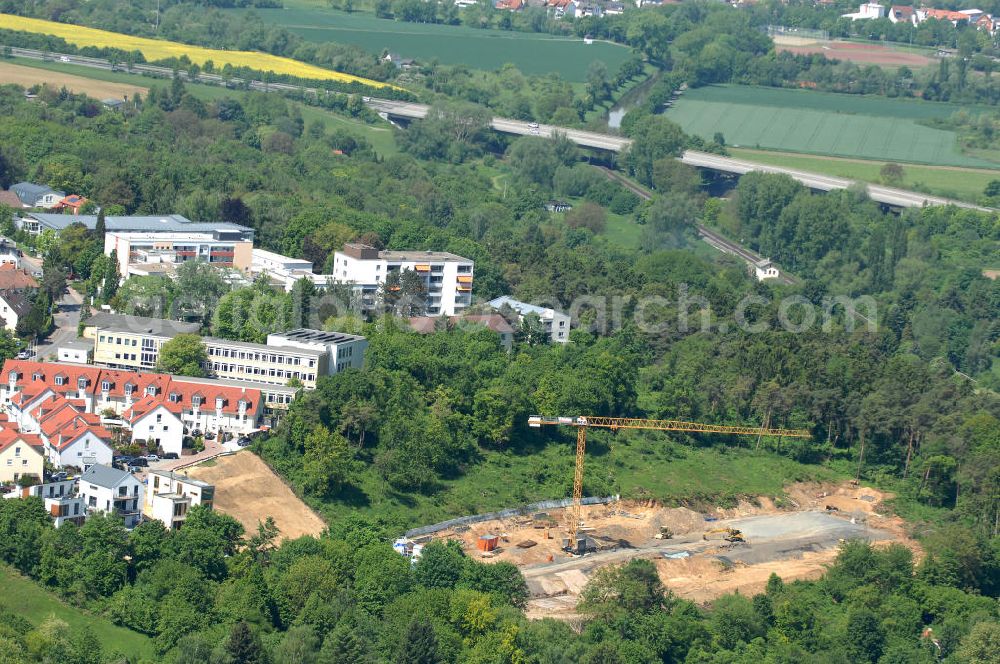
(824, 123)
(450, 44)
(158, 49)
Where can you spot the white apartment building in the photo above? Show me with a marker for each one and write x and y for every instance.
(556, 323)
(60, 497)
(170, 495)
(137, 251)
(112, 491)
(301, 354)
(447, 277)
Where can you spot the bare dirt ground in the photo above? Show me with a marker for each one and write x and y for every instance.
(795, 536)
(876, 54)
(246, 489)
(28, 76)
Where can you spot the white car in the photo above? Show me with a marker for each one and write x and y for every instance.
(152, 457)
(63, 58)
(533, 125)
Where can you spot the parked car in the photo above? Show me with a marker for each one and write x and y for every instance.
(533, 125)
(134, 469)
(171, 455)
(139, 461)
(152, 457)
(24, 355)
(209, 435)
(196, 433)
(244, 441)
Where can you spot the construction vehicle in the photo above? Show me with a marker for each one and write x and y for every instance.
(729, 534)
(616, 423)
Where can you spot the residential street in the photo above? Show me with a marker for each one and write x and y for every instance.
(66, 321)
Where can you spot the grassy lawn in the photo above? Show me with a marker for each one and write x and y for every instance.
(962, 183)
(822, 123)
(380, 136)
(451, 44)
(26, 598)
(636, 466)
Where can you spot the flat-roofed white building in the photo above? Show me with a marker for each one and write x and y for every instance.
(447, 277)
(301, 354)
(556, 323)
(284, 270)
(170, 495)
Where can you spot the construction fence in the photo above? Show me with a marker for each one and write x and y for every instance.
(506, 514)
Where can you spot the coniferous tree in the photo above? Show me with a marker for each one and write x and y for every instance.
(419, 644)
(243, 645)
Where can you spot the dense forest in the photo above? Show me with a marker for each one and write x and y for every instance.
(918, 387)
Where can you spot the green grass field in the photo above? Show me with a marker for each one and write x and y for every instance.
(29, 600)
(633, 465)
(450, 44)
(380, 136)
(823, 123)
(962, 183)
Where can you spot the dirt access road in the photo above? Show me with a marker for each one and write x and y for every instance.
(29, 76)
(249, 491)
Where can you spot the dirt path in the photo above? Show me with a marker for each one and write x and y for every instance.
(28, 76)
(246, 489)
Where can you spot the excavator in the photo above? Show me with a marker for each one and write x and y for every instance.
(729, 534)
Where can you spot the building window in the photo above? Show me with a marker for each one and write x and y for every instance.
(151, 390)
(60, 380)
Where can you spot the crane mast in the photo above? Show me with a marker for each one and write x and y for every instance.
(582, 423)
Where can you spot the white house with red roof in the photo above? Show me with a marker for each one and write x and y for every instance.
(157, 424)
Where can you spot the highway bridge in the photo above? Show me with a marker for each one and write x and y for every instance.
(588, 139)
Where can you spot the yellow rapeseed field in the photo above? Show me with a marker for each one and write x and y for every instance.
(156, 49)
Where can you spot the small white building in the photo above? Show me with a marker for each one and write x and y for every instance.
(170, 495)
(285, 270)
(77, 351)
(765, 269)
(868, 10)
(112, 491)
(556, 323)
(157, 424)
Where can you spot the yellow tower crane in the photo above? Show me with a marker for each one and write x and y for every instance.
(615, 423)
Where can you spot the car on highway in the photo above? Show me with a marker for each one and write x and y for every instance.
(63, 58)
(533, 125)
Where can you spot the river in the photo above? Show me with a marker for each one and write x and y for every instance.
(630, 100)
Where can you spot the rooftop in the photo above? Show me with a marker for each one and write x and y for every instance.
(149, 223)
(304, 335)
(78, 344)
(264, 348)
(518, 306)
(417, 256)
(141, 325)
(180, 477)
(104, 476)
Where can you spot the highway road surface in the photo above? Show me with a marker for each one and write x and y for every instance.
(589, 139)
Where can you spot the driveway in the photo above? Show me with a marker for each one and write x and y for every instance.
(66, 322)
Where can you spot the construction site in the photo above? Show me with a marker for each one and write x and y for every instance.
(700, 554)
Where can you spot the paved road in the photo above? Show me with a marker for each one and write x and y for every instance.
(66, 320)
(885, 195)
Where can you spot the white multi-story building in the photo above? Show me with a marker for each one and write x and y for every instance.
(170, 495)
(556, 323)
(221, 247)
(61, 499)
(112, 491)
(447, 278)
(301, 354)
(157, 423)
(131, 342)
